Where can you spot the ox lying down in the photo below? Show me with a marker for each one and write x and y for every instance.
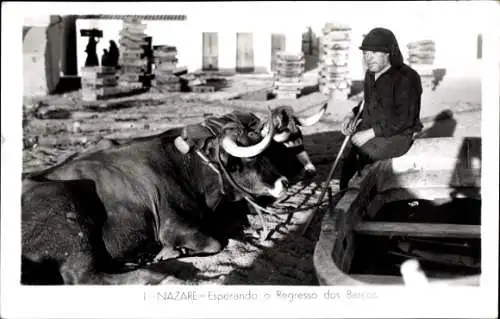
(148, 199)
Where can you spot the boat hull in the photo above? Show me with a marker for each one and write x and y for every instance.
(435, 169)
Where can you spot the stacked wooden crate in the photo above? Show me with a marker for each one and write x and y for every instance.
(98, 83)
(288, 75)
(334, 77)
(421, 55)
(133, 61)
(165, 60)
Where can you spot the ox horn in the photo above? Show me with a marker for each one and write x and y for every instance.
(313, 119)
(235, 150)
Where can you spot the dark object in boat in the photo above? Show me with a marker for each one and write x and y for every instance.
(442, 257)
(461, 211)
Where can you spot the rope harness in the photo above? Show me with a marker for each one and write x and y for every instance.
(221, 170)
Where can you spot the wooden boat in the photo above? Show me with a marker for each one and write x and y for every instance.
(424, 205)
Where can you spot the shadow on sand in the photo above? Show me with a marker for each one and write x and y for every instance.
(444, 126)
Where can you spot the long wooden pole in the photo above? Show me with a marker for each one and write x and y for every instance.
(332, 170)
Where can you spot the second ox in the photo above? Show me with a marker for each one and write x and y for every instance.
(287, 151)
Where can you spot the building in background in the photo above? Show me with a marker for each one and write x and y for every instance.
(49, 52)
(202, 46)
(243, 37)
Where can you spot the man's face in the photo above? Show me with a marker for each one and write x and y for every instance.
(376, 61)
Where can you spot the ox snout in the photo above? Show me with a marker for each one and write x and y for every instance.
(280, 188)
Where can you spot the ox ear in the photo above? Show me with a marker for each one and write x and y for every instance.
(195, 135)
(273, 119)
(182, 145)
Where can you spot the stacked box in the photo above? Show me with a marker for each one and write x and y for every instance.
(133, 62)
(165, 60)
(421, 56)
(288, 75)
(334, 78)
(98, 83)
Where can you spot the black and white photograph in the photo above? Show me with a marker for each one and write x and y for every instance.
(288, 159)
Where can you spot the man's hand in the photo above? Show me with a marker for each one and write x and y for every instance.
(361, 137)
(348, 126)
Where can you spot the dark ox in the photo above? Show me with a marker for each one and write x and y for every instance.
(144, 199)
(290, 137)
(62, 236)
(287, 151)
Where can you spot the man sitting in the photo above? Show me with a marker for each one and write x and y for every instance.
(391, 113)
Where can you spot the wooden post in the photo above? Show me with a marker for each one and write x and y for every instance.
(244, 52)
(210, 45)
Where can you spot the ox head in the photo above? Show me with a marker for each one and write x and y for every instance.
(238, 150)
(287, 150)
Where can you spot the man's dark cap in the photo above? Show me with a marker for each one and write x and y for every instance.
(383, 40)
(379, 40)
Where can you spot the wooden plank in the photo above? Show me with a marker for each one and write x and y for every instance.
(459, 178)
(210, 51)
(283, 79)
(203, 89)
(108, 80)
(288, 73)
(336, 45)
(166, 66)
(289, 56)
(102, 93)
(244, 52)
(282, 95)
(280, 63)
(288, 86)
(419, 229)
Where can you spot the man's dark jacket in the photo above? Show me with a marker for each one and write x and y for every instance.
(392, 102)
